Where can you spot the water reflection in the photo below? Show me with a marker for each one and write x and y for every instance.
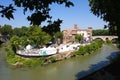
(69, 69)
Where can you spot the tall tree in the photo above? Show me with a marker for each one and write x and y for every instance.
(58, 37)
(14, 43)
(6, 30)
(24, 30)
(40, 9)
(52, 27)
(36, 35)
(109, 11)
(17, 32)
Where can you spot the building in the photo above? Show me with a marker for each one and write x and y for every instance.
(69, 34)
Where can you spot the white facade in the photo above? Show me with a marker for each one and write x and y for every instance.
(84, 33)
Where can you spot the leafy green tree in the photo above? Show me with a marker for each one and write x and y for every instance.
(39, 37)
(6, 30)
(24, 30)
(39, 9)
(58, 37)
(100, 32)
(109, 11)
(24, 41)
(78, 37)
(14, 43)
(17, 32)
(20, 31)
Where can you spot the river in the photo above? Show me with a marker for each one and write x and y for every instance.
(69, 69)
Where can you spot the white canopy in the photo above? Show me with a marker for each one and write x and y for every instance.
(28, 47)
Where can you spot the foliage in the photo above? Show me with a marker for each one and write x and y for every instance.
(78, 37)
(52, 27)
(14, 43)
(109, 11)
(2, 44)
(6, 30)
(100, 32)
(18, 60)
(114, 40)
(89, 48)
(17, 32)
(36, 35)
(24, 41)
(20, 31)
(24, 30)
(108, 42)
(33, 62)
(32, 35)
(7, 11)
(39, 8)
(81, 51)
(58, 35)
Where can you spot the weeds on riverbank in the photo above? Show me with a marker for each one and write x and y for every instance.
(89, 48)
(19, 61)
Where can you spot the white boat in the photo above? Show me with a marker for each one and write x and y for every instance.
(37, 52)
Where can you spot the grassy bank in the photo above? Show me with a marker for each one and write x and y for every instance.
(88, 49)
(19, 61)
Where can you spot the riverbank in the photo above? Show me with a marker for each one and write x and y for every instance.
(110, 72)
(68, 69)
(20, 61)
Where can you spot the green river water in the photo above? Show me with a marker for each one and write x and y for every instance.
(69, 69)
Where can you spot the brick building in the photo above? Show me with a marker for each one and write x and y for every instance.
(69, 34)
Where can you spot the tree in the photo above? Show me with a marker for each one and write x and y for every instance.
(58, 37)
(14, 43)
(109, 11)
(24, 41)
(36, 35)
(6, 30)
(52, 27)
(20, 31)
(100, 32)
(17, 32)
(78, 37)
(40, 9)
(24, 30)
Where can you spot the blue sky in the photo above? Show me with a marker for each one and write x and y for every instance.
(80, 14)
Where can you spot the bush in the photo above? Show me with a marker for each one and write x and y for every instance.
(12, 59)
(81, 51)
(108, 42)
(89, 48)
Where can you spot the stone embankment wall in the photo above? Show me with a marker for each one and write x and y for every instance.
(59, 56)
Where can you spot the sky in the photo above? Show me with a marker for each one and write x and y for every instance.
(80, 14)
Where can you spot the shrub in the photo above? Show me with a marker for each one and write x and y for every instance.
(108, 42)
(81, 51)
(89, 48)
